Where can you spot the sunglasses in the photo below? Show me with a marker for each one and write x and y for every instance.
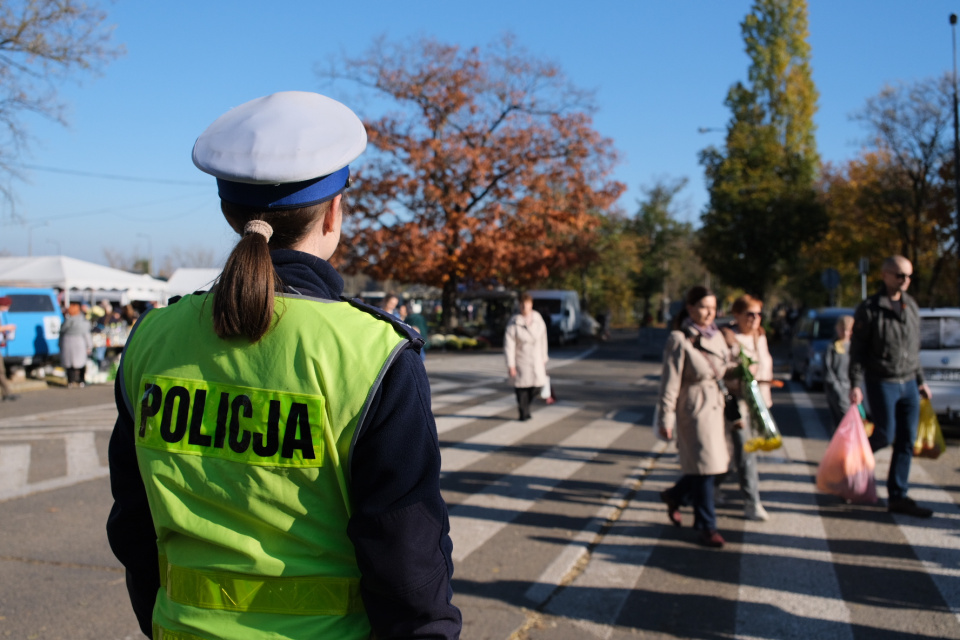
(753, 314)
(901, 276)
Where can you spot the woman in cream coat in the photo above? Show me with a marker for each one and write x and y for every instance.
(695, 359)
(525, 347)
(747, 335)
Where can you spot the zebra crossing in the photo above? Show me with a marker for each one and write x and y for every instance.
(558, 531)
(83, 458)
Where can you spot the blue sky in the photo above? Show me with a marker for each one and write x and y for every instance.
(660, 71)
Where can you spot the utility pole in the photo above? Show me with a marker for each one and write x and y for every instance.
(956, 139)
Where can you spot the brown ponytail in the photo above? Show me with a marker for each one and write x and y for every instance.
(243, 295)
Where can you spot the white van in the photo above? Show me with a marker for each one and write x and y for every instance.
(940, 357)
(560, 309)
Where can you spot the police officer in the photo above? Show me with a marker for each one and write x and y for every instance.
(275, 462)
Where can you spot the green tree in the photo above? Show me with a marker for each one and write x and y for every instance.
(604, 282)
(909, 126)
(896, 196)
(665, 239)
(763, 204)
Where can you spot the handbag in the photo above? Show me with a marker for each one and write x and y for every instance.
(731, 407)
(545, 390)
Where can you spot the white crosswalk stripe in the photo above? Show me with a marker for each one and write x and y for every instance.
(586, 579)
(509, 498)
(472, 450)
(14, 467)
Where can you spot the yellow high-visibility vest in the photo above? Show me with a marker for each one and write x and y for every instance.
(245, 449)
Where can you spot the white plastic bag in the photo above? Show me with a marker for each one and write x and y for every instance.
(545, 390)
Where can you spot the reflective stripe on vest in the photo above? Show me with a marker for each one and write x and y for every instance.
(159, 633)
(303, 596)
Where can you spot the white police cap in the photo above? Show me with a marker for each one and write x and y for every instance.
(282, 151)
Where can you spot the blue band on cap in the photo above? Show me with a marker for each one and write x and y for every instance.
(291, 195)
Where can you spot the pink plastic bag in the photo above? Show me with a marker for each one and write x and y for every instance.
(847, 466)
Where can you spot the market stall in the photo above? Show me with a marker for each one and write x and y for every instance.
(81, 280)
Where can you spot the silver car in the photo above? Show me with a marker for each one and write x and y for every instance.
(940, 357)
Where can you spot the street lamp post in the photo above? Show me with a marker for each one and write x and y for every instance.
(149, 252)
(956, 138)
(30, 229)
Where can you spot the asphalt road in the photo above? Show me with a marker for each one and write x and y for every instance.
(558, 531)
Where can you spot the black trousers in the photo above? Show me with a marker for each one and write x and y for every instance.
(76, 375)
(524, 396)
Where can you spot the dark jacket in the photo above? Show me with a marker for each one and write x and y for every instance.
(886, 342)
(399, 526)
(836, 370)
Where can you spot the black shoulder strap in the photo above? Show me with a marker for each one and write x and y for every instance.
(411, 334)
(176, 299)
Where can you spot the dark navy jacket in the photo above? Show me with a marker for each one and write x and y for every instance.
(399, 526)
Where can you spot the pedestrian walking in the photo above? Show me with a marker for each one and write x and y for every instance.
(746, 335)
(695, 360)
(275, 463)
(390, 302)
(76, 344)
(836, 370)
(6, 329)
(885, 356)
(525, 348)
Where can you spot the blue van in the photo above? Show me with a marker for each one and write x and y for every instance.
(37, 317)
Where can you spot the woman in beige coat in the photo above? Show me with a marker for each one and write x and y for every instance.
(695, 359)
(525, 347)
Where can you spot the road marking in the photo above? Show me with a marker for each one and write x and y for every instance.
(82, 456)
(445, 400)
(489, 409)
(596, 597)
(514, 494)
(443, 385)
(471, 450)
(556, 363)
(551, 578)
(53, 424)
(769, 583)
(14, 466)
(934, 546)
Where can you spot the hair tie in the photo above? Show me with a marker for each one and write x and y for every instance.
(258, 226)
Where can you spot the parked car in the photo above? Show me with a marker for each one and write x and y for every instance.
(940, 358)
(560, 309)
(811, 338)
(37, 317)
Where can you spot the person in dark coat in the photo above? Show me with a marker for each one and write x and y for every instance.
(885, 356)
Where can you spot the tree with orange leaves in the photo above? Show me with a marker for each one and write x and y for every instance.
(488, 172)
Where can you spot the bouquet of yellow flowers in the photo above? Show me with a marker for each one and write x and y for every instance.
(766, 434)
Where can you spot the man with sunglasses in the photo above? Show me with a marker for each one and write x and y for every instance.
(885, 356)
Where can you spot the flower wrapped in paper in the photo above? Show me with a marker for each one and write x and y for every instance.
(766, 435)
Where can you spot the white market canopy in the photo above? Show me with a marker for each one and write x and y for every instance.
(77, 275)
(186, 281)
